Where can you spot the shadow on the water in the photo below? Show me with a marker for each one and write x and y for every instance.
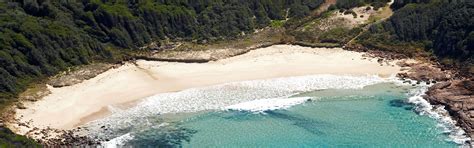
(401, 104)
(239, 116)
(162, 137)
(309, 125)
(150, 131)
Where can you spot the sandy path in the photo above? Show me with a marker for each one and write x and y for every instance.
(70, 106)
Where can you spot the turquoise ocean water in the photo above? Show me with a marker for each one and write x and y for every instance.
(375, 116)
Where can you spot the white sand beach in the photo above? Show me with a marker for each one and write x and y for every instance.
(71, 106)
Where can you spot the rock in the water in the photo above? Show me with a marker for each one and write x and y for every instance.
(458, 98)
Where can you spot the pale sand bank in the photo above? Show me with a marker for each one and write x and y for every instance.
(71, 106)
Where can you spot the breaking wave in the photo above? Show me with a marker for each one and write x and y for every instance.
(225, 96)
(448, 125)
(268, 104)
(247, 96)
(220, 96)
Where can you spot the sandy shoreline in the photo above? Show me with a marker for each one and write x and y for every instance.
(70, 106)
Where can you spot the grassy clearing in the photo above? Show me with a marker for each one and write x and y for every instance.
(277, 23)
(382, 14)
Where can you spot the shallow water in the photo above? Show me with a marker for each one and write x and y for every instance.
(376, 116)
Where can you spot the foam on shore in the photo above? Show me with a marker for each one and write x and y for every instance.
(268, 104)
(229, 95)
(438, 113)
(118, 142)
(247, 96)
(67, 107)
(220, 96)
(445, 122)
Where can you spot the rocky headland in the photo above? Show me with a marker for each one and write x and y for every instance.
(458, 98)
(449, 88)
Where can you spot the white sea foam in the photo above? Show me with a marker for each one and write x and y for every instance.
(114, 109)
(445, 122)
(268, 104)
(220, 96)
(423, 107)
(248, 96)
(118, 142)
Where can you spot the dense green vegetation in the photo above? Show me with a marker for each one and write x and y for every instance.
(339, 35)
(400, 3)
(324, 30)
(442, 27)
(42, 37)
(39, 38)
(347, 4)
(8, 139)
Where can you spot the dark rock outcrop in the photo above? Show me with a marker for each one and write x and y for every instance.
(424, 72)
(385, 55)
(49, 137)
(458, 97)
(451, 90)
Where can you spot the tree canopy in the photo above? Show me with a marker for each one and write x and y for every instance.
(443, 27)
(41, 37)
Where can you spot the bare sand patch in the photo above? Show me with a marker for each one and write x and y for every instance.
(71, 106)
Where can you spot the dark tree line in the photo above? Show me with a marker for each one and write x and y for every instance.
(397, 4)
(443, 27)
(348, 4)
(41, 37)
